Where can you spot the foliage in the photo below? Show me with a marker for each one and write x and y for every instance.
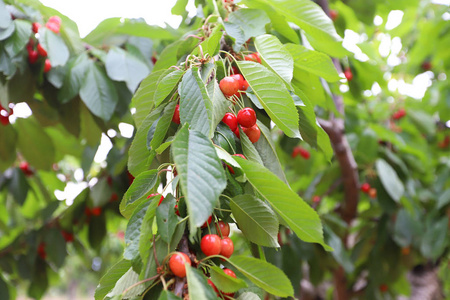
(288, 199)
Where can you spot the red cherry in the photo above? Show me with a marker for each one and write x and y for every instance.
(445, 142)
(235, 70)
(25, 167)
(154, 60)
(176, 115)
(316, 199)
(229, 86)
(399, 114)
(53, 26)
(210, 244)
(4, 120)
(41, 251)
(426, 66)
(365, 187)
(213, 286)
(253, 57)
(130, 178)
(223, 227)
(244, 85)
(246, 117)
(348, 74)
(333, 14)
(231, 120)
(237, 133)
(229, 273)
(160, 199)
(209, 222)
(55, 19)
(227, 247)
(67, 236)
(33, 56)
(47, 65)
(96, 211)
(41, 51)
(253, 133)
(87, 211)
(230, 167)
(373, 193)
(35, 27)
(177, 264)
(383, 288)
(300, 151)
(177, 212)
(114, 197)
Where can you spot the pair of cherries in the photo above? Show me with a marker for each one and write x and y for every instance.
(246, 118)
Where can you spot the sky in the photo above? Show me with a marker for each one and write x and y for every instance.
(89, 13)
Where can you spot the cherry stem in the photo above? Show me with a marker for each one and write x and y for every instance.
(221, 209)
(154, 252)
(163, 282)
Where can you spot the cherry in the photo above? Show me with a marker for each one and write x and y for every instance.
(229, 273)
(227, 247)
(67, 236)
(231, 120)
(47, 66)
(406, 250)
(253, 57)
(210, 244)
(229, 86)
(154, 60)
(130, 178)
(334, 14)
(55, 19)
(177, 212)
(246, 117)
(41, 251)
(35, 27)
(114, 197)
(209, 222)
(235, 70)
(383, 288)
(87, 211)
(426, 66)
(53, 27)
(177, 264)
(176, 115)
(365, 187)
(348, 74)
(41, 51)
(33, 56)
(237, 133)
(4, 120)
(373, 193)
(224, 227)
(399, 114)
(230, 167)
(25, 167)
(445, 142)
(96, 211)
(214, 287)
(300, 151)
(316, 199)
(253, 133)
(160, 199)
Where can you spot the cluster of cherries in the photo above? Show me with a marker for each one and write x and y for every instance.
(367, 189)
(210, 244)
(300, 151)
(53, 24)
(4, 114)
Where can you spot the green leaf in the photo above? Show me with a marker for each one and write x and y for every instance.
(101, 192)
(256, 220)
(35, 144)
(74, 78)
(166, 85)
(268, 153)
(138, 192)
(199, 289)
(201, 174)
(313, 61)
(211, 45)
(122, 66)
(5, 21)
(162, 126)
(133, 231)
(318, 27)
(219, 104)
(275, 56)
(17, 41)
(166, 295)
(57, 252)
(7, 150)
(423, 121)
(390, 180)
(195, 104)
(7, 31)
(248, 296)
(126, 281)
(252, 22)
(434, 239)
(302, 219)
(273, 95)
(403, 228)
(166, 218)
(18, 186)
(224, 282)
(57, 51)
(139, 153)
(263, 275)
(98, 92)
(143, 98)
(179, 8)
(97, 231)
(278, 21)
(4, 289)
